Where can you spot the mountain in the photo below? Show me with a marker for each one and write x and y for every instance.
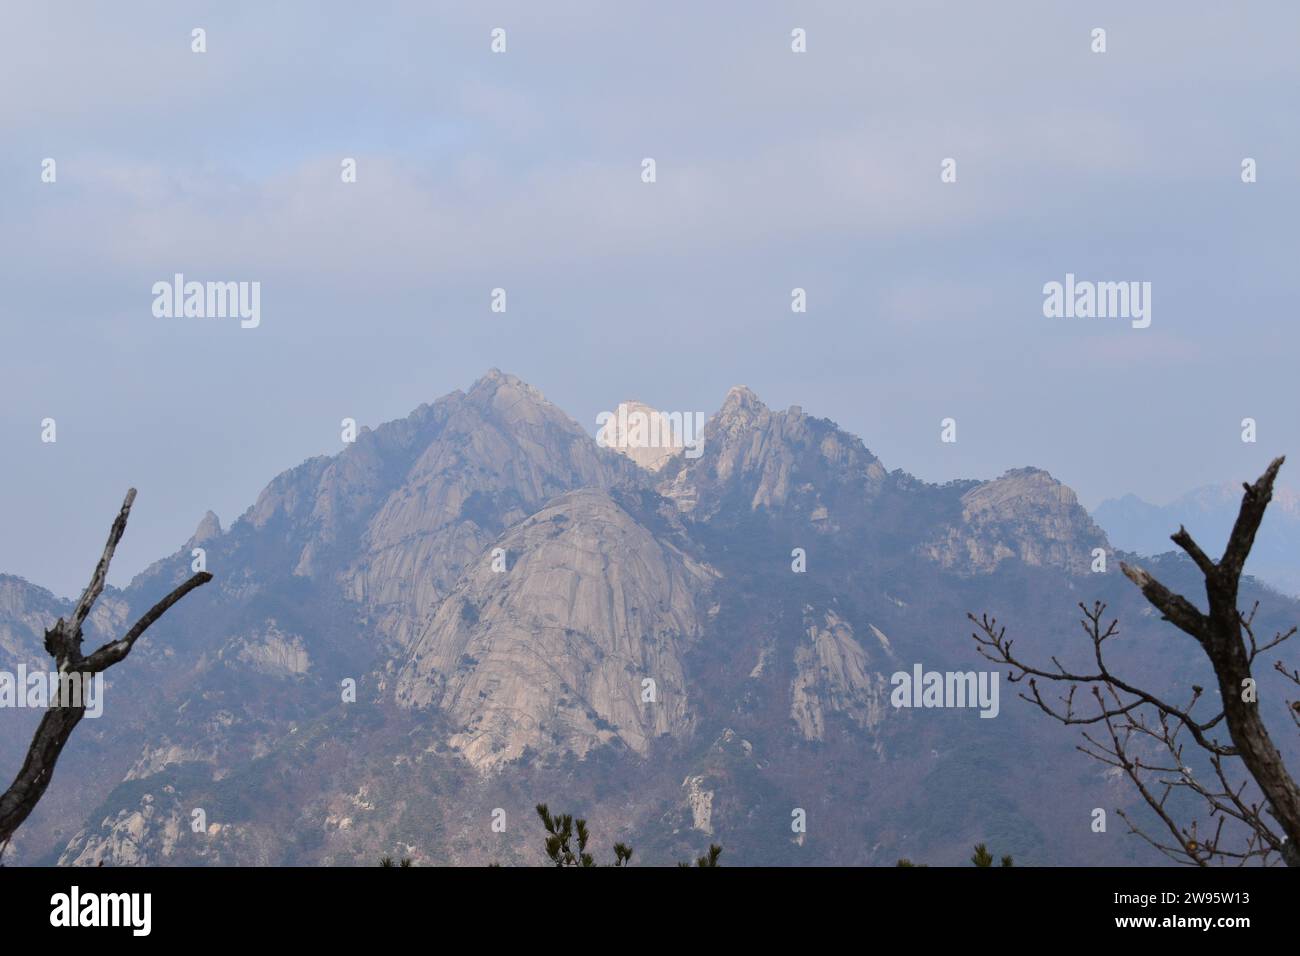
(481, 607)
(1208, 513)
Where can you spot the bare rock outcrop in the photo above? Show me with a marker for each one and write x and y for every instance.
(775, 461)
(834, 675)
(550, 643)
(501, 451)
(1026, 514)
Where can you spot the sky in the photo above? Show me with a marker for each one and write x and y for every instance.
(523, 170)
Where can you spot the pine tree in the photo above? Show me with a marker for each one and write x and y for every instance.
(562, 829)
(983, 857)
(709, 859)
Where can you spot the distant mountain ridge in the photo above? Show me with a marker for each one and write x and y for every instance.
(1208, 513)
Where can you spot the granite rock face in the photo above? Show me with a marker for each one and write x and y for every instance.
(500, 452)
(1027, 515)
(209, 528)
(551, 637)
(25, 612)
(395, 518)
(834, 673)
(776, 462)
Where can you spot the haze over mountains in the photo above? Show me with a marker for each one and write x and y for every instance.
(531, 617)
(1209, 512)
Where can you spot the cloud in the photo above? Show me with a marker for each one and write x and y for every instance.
(774, 170)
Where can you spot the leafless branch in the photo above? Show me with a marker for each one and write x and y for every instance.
(1246, 783)
(63, 642)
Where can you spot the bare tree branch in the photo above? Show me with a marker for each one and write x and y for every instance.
(1176, 609)
(1133, 716)
(114, 651)
(98, 579)
(995, 639)
(1184, 541)
(1251, 514)
(63, 642)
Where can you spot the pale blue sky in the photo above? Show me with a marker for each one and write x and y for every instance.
(521, 170)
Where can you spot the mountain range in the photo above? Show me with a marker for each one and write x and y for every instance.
(685, 649)
(1208, 513)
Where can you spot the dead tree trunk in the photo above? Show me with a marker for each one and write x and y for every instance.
(1220, 634)
(63, 642)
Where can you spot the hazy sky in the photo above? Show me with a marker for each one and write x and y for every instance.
(522, 170)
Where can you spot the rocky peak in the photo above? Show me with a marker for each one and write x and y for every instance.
(501, 451)
(776, 461)
(741, 405)
(513, 401)
(1026, 514)
(209, 528)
